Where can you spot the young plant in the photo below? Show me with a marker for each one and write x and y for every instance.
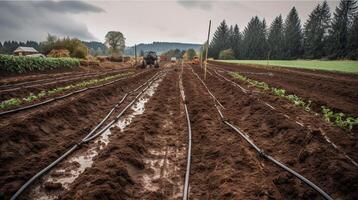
(279, 92)
(10, 102)
(31, 97)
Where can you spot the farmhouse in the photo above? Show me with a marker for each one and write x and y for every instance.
(23, 51)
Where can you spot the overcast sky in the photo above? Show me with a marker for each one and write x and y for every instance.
(139, 21)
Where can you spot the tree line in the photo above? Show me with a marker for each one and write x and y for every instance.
(76, 47)
(8, 47)
(321, 36)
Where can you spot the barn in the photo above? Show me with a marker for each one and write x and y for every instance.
(23, 51)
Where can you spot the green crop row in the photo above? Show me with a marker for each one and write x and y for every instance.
(339, 119)
(23, 64)
(31, 97)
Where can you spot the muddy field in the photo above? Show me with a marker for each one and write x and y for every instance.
(143, 154)
(338, 91)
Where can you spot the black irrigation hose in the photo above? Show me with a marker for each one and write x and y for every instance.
(187, 172)
(61, 97)
(87, 138)
(268, 157)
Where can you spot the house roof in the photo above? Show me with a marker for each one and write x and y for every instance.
(26, 49)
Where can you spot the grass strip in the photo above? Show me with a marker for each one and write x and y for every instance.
(345, 66)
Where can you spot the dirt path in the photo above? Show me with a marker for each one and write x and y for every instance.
(145, 159)
(336, 90)
(32, 139)
(304, 150)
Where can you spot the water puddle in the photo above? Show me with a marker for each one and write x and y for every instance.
(72, 167)
(164, 173)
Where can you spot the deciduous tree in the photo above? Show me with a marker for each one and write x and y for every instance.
(116, 42)
(189, 54)
(227, 54)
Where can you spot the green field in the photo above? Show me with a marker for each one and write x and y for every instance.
(341, 66)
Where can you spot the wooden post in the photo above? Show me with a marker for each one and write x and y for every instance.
(201, 56)
(206, 53)
(135, 53)
(268, 58)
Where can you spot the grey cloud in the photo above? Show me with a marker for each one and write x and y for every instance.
(204, 5)
(33, 20)
(68, 6)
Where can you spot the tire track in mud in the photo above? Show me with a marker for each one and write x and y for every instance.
(305, 151)
(145, 160)
(32, 141)
(222, 168)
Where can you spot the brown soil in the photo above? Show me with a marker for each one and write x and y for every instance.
(147, 160)
(222, 167)
(6, 79)
(302, 148)
(338, 91)
(153, 146)
(26, 88)
(32, 139)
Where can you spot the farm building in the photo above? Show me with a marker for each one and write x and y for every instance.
(23, 51)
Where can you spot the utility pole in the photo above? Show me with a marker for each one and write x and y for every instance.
(201, 56)
(206, 53)
(135, 53)
(123, 57)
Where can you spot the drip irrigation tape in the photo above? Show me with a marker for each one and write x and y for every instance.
(188, 165)
(87, 138)
(61, 97)
(266, 156)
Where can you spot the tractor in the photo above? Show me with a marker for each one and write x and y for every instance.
(150, 58)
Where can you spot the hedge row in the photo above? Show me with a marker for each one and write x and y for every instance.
(22, 64)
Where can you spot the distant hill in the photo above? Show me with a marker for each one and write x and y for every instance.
(161, 47)
(96, 48)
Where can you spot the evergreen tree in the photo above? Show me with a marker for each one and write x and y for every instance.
(231, 31)
(220, 40)
(254, 40)
(315, 31)
(1, 48)
(353, 40)
(236, 41)
(264, 26)
(293, 35)
(341, 23)
(276, 39)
